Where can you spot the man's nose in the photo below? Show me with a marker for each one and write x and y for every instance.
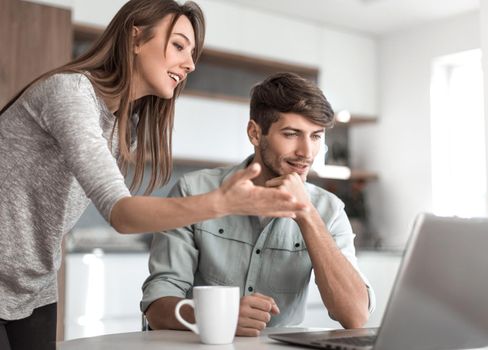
(305, 149)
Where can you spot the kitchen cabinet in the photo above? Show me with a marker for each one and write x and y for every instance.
(103, 291)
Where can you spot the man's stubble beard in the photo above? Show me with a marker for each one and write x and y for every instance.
(268, 167)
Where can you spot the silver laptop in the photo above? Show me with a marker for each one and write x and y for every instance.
(440, 297)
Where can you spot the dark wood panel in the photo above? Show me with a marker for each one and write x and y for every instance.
(34, 38)
(7, 56)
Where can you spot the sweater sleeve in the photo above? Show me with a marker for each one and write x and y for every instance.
(71, 114)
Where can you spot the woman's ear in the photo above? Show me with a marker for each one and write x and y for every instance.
(254, 133)
(136, 33)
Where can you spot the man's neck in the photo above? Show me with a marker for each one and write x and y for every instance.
(263, 176)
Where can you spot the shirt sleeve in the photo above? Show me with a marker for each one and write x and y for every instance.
(173, 260)
(71, 115)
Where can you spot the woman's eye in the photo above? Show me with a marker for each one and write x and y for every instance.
(178, 46)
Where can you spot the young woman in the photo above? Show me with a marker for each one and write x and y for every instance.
(68, 138)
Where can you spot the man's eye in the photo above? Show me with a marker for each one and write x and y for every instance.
(316, 137)
(290, 134)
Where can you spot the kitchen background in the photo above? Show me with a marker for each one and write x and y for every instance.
(406, 77)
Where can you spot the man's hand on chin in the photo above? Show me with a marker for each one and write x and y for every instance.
(295, 185)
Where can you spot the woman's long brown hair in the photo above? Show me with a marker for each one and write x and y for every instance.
(110, 62)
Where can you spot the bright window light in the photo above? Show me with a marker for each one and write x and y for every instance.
(457, 130)
(94, 303)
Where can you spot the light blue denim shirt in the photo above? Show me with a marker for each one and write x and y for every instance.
(238, 251)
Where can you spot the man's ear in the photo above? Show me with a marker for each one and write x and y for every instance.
(254, 133)
(136, 34)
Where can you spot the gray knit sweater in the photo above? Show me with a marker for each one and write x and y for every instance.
(54, 158)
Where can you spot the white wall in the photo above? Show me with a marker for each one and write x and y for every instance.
(399, 146)
(241, 29)
(349, 71)
(211, 130)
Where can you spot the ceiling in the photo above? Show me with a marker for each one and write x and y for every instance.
(370, 16)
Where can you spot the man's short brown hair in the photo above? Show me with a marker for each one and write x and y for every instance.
(289, 93)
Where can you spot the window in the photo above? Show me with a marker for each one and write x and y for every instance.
(458, 140)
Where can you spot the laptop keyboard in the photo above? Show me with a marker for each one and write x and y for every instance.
(367, 340)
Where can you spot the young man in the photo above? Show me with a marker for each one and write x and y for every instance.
(270, 259)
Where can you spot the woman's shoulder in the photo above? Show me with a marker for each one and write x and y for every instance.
(69, 81)
(62, 87)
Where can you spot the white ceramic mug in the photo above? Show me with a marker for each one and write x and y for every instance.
(216, 313)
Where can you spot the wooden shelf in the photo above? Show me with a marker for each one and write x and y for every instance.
(355, 175)
(363, 175)
(215, 96)
(357, 119)
(200, 163)
(86, 32)
(234, 59)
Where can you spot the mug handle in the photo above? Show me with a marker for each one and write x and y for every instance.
(191, 326)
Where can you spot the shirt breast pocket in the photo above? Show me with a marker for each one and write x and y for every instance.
(286, 265)
(223, 254)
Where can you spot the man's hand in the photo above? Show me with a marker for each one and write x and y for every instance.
(254, 314)
(241, 197)
(293, 184)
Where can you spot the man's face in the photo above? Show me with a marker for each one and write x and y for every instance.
(290, 146)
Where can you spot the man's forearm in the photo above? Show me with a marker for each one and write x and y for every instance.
(161, 314)
(342, 289)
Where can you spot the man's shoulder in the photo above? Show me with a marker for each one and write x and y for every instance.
(205, 180)
(320, 197)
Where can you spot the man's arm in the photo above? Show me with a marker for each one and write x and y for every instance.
(254, 313)
(342, 289)
(161, 314)
(172, 264)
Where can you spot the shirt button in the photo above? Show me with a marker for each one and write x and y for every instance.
(250, 289)
(297, 245)
(221, 230)
(258, 251)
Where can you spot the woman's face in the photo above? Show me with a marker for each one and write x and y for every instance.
(159, 68)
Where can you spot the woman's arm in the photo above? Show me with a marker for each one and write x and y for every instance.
(237, 196)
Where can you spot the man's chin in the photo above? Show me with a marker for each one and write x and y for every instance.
(303, 176)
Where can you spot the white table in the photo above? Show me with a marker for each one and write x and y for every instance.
(178, 340)
(162, 340)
